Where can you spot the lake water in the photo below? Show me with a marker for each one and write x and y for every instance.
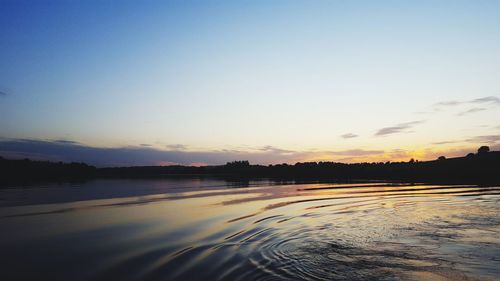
(217, 230)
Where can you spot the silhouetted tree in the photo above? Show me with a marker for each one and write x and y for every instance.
(441, 158)
(483, 149)
(238, 164)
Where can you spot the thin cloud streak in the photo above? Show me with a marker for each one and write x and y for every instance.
(489, 139)
(485, 139)
(349, 136)
(273, 149)
(490, 99)
(487, 103)
(472, 110)
(176, 147)
(484, 100)
(400, 128)
(448, 103)
(445, 142)
(67, 142)
(358, 152)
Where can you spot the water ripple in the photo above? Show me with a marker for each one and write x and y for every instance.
(305, 232)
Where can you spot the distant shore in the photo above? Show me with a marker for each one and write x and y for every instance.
(482, 167)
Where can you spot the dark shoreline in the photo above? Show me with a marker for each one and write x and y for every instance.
(480, 168)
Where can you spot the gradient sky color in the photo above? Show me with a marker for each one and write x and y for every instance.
(270, 81)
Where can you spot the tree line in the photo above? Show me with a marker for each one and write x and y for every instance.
(480, 167)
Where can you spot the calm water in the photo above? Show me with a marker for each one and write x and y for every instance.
(213, 230)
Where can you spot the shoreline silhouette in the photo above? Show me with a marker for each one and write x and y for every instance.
(482, 167)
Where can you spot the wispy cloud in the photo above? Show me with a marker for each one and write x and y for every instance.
(472, 110)
(448, 103)
(475, 105)
(445, 142)
(273, 149)
(399, 128)
(492, 100)
(476, 139)
(357, 152)
(485, 139)
(176, 147)
(3, 94)
(62, 141)
(349, 136)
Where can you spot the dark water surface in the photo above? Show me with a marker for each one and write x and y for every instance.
(214, 230)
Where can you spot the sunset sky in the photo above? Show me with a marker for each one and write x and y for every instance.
(205, 82)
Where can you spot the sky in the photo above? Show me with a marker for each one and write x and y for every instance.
(204, 82)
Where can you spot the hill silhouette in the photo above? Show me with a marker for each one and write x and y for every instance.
(480, 167)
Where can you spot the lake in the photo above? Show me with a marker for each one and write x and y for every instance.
(203, 229)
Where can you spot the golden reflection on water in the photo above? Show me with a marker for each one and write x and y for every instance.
(289, 231)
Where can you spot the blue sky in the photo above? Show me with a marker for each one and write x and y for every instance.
(273, 81)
